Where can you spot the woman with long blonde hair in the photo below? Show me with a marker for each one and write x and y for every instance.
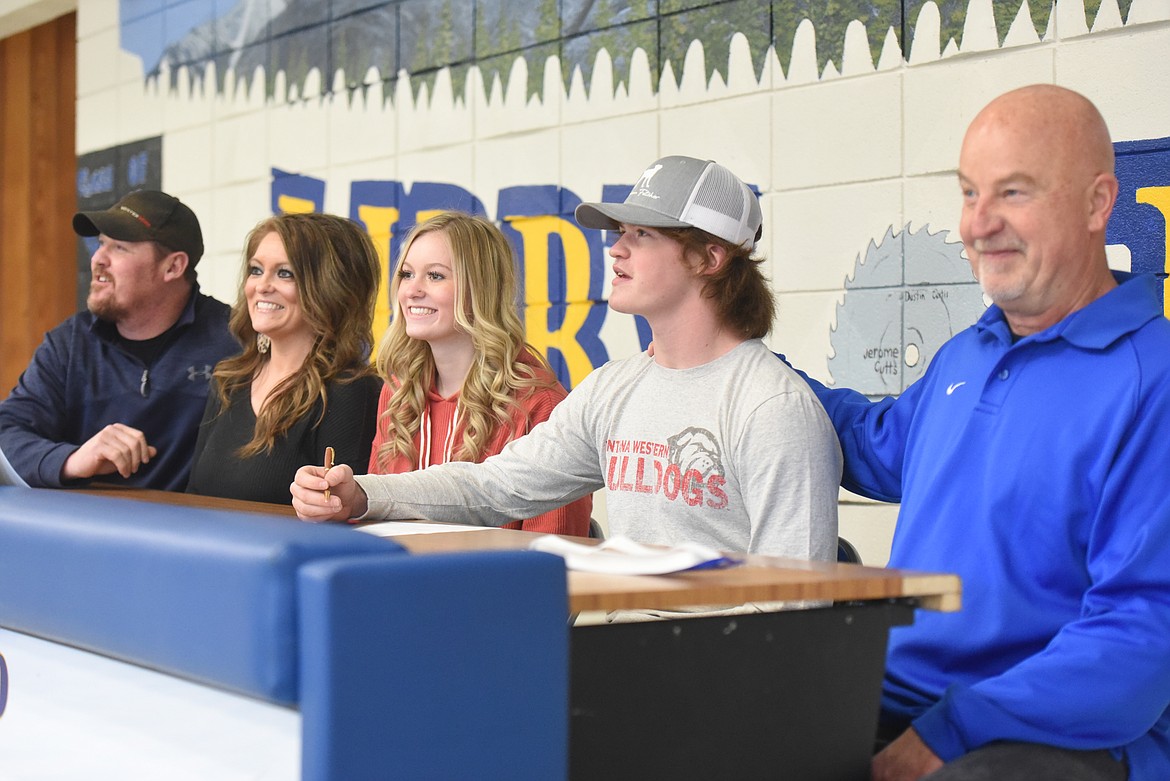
(304, 313)
(460, 381)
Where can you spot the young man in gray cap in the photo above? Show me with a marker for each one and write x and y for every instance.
(707, 441)
(115, 393)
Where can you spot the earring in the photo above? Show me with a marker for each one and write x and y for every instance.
(263, 343)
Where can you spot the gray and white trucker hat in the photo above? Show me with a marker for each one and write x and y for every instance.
(684, 192)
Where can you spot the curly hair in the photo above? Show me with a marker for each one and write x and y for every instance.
(744, 300)
(484, 271)
(336, 270)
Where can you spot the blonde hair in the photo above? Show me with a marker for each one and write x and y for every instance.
(336, 269)
(484, 271)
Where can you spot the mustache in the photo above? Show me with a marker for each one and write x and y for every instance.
(982, 246)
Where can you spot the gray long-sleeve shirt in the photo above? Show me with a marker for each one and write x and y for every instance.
(737, 454)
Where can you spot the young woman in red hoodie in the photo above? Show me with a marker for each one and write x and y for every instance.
(460, 381)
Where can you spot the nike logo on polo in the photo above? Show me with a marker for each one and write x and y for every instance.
(954, 386)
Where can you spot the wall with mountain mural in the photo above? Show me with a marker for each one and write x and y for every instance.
(846, 116)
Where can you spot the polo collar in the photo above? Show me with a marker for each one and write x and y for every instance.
(1118, 313)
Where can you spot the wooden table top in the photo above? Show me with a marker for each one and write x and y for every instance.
(759, 579)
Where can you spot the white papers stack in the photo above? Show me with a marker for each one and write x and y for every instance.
(622, 556)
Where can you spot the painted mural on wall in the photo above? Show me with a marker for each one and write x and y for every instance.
(1141, 219)
(420, 37)
(440, 87)
(908, 295)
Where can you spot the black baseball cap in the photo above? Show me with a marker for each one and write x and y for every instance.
(147, 215)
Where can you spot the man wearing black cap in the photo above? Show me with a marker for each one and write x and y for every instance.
(116, 392)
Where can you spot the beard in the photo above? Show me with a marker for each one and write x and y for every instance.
(1003, 280)
(105, 307)
(1002, 288)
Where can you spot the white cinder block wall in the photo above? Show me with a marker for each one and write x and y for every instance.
(841, 154)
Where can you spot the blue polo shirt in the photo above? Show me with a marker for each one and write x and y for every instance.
(1037, 471)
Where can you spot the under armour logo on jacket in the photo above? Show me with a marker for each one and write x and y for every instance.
(194, 373)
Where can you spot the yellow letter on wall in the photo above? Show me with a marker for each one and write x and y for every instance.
(1159, 198)
(535, 232)
(290, 204)
(380, 222)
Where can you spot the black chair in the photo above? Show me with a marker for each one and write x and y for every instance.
(595, 531)
(846, 553)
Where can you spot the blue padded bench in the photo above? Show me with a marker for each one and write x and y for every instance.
(429, 666)
(202, 594)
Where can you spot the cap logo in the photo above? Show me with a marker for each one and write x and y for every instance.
(642, 187)
(136, 216)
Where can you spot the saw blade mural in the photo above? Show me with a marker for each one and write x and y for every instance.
(909, 294)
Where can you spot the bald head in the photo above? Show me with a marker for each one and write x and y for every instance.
(1063, 122)
(1036, 171)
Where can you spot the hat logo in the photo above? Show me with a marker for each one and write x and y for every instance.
(642, 187)
(136, 216)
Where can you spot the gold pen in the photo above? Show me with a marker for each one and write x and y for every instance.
(328, 466)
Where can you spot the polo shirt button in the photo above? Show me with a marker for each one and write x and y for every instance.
(1003, 375)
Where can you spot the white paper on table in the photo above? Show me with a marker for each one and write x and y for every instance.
(622, 556)
(396, 528)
